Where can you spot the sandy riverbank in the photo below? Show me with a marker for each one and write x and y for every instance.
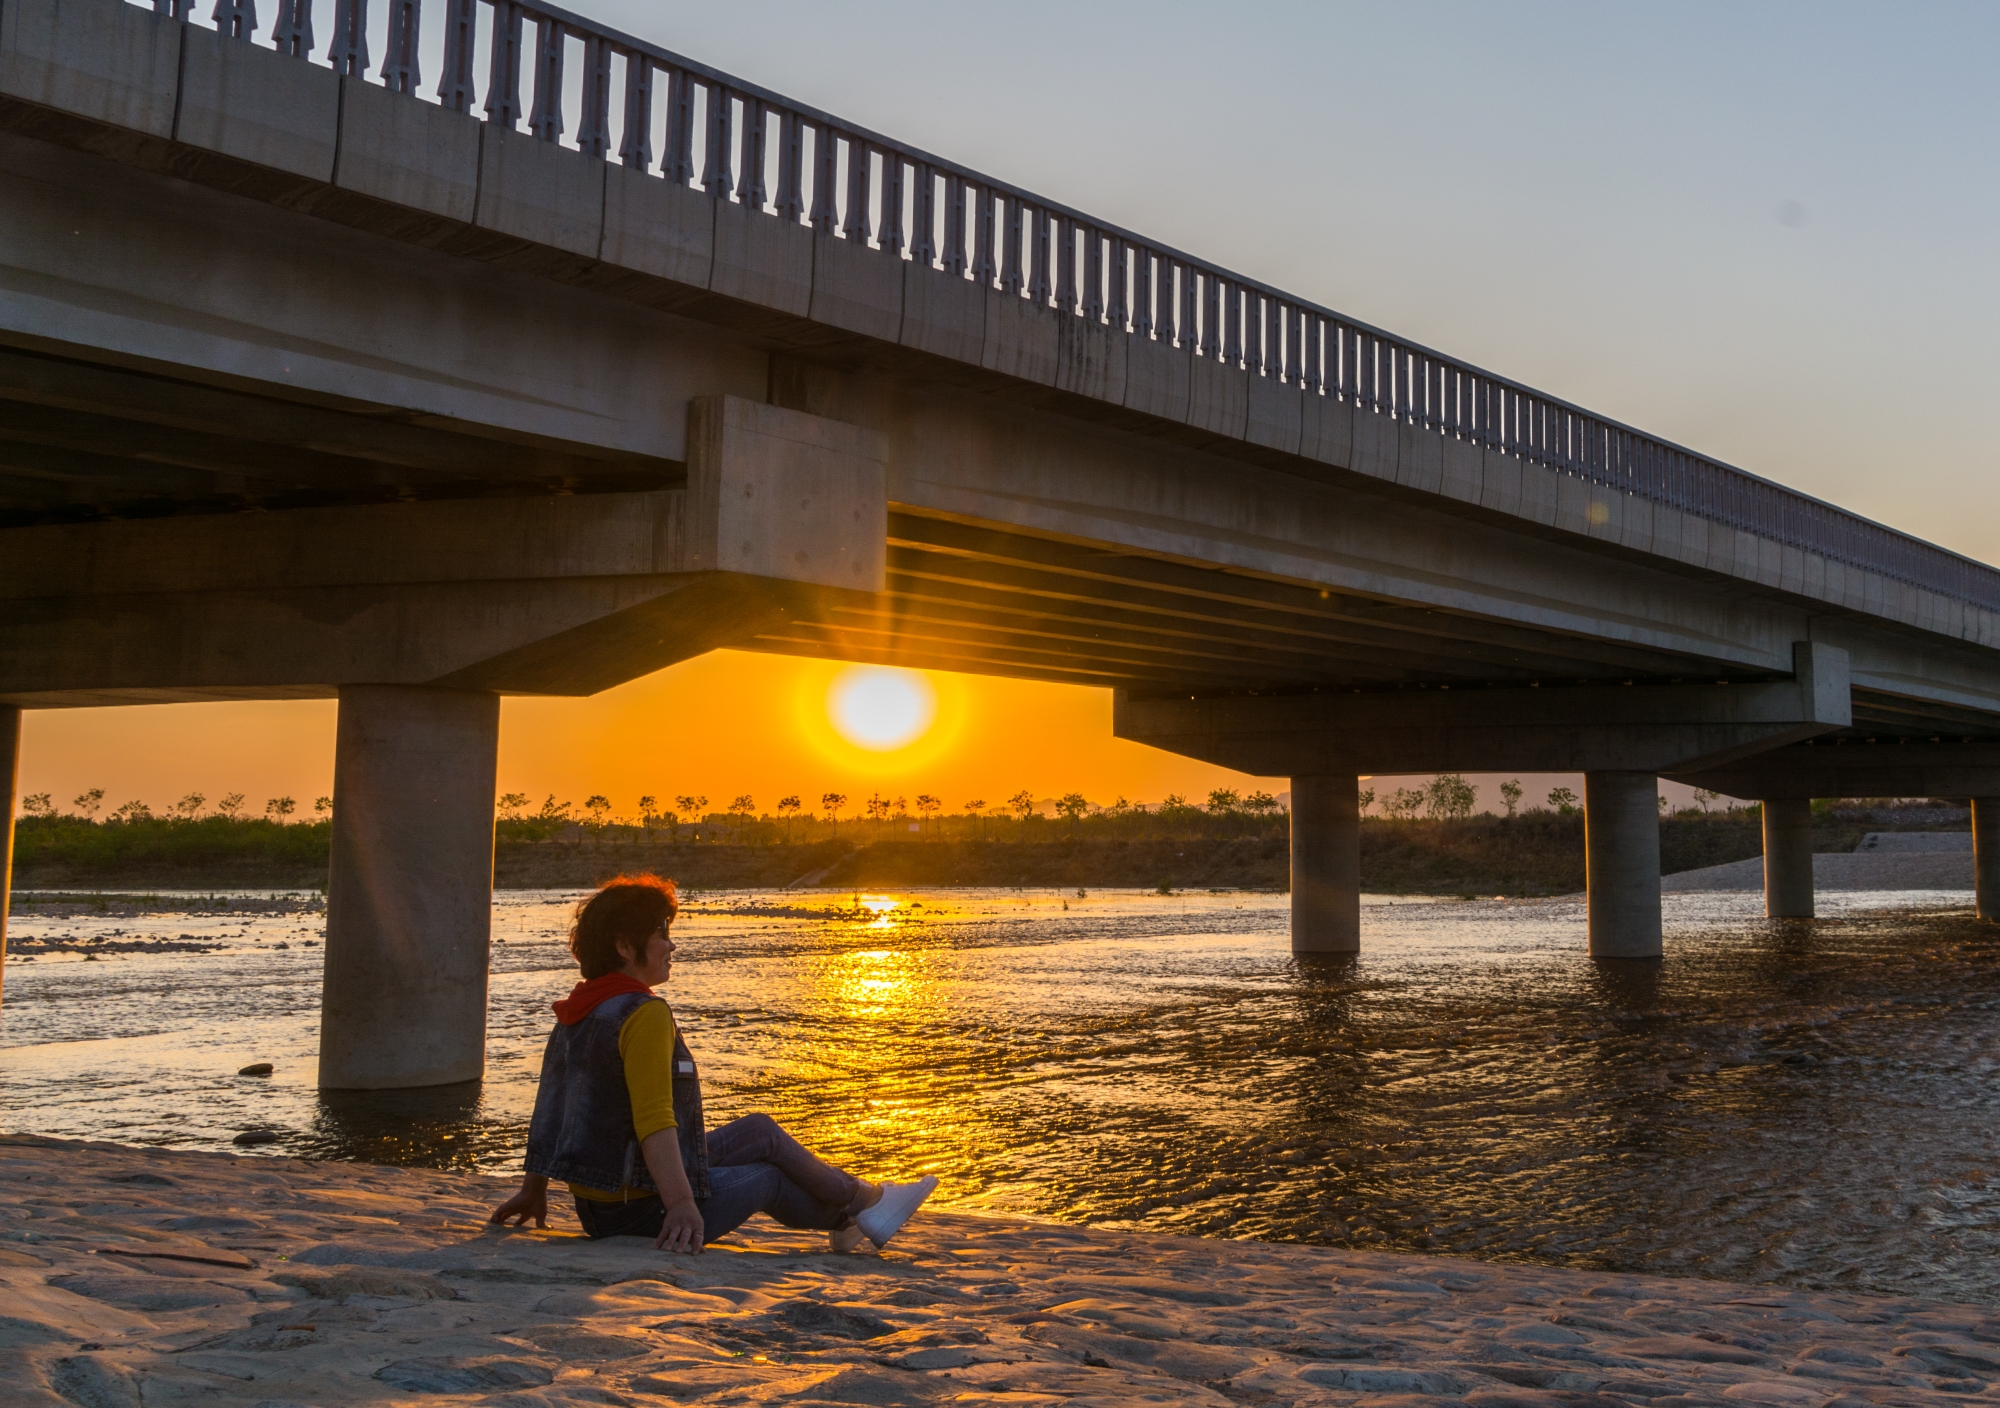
(140, 1278)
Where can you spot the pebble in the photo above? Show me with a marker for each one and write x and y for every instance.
(256, 1068)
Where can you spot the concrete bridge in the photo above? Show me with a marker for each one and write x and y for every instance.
(324, 376)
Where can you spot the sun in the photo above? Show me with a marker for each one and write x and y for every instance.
(880, 708)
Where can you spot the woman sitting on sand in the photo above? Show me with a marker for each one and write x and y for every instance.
(618, 1114)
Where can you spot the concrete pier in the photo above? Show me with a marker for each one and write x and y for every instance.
(10, 776)
(1986, 855)
(1621, 831)
(410, 893)
(1788, 858)
(1326, 864)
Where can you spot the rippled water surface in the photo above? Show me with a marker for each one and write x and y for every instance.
(1813, 1103)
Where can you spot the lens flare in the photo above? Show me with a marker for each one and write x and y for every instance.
(879, 708)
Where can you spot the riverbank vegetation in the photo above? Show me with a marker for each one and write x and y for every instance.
(1221, 844)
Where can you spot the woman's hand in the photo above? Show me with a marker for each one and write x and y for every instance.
(682, 1229)
(531, 1201)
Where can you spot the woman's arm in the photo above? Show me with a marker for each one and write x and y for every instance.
(682, 1230)
(531, 1201)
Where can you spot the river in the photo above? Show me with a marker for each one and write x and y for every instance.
(1805, 1103)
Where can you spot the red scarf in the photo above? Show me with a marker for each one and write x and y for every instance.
(584, 997)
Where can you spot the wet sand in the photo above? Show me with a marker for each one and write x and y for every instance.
(146, 1277)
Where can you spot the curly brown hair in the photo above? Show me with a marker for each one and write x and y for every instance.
(626, 909)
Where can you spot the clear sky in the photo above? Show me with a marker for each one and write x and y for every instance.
(1766, 231)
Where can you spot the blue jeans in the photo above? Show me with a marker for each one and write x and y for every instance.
(753, 1167)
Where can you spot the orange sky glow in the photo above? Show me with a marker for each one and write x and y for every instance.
(719, 725)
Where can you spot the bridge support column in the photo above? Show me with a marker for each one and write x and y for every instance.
(10, 778)
(1621, 830)
(1788, 858)
(1326, 864)
(410, 894)
(1986, 855)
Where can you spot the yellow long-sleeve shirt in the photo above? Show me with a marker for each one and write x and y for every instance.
(646, 1046)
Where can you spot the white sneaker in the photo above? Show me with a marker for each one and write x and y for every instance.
(899, 1202)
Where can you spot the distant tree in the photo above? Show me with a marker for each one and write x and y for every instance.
(1261, 804)
(977, 807)
(1404, 802)
(229, 806)
(1663, 803)
(1223, 801)
(323, 806)
(38, 804)
(649, 810)
(1366, 797)
(278, 808)
(510, 804)
(1510, 794)
(134, 810)
(1449, 796)
(553, 812)
(1702, 797)
(743, 808)
(789, 807)
(599, 807)
(87, 803)
(927, 807)
(1564, 801)
(695, 808)
(188, 807)
(1073, 806)
(831, 803)
(877, 807)
(1022, 804)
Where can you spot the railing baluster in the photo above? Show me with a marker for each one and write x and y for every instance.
(1142, 291)
(349, 51)
(1184, 318)
(182, 10)
(955, 261)
(1065, 252)
(854, 220)
(791, 167)
(890, 234)
(635, 139)
(826, 177)
(985, 266)
(1010, 263)
(545, 119)
(237, 19)
(750, 186)
(292, 33)
(1233, 311)
(923, 217)
(503, 82)
(679, 164)
(406, 28)
(1039, 250)
(593, 123)
(718, 174)
(1093, 274)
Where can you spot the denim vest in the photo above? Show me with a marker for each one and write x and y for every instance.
(582, 1127)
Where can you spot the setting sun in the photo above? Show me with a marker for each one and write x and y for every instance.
(879, 708)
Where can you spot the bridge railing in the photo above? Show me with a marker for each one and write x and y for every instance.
(658, 112)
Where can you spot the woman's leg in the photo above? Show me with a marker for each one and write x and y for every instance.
(759, 1139)
(737, 1192)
